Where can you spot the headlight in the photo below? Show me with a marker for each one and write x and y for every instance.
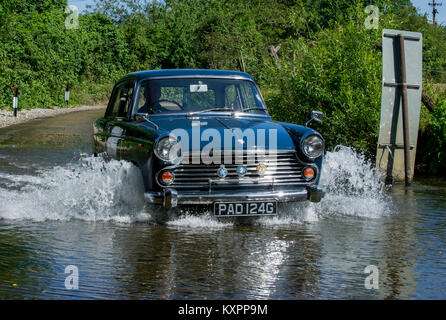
(313, 146)
(167, 149)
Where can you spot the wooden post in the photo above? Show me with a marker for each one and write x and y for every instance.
(15, 101)
(242, 62)
(67, 93)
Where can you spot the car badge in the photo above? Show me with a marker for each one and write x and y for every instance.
(261, 168)
(241, 170)
(222, 172)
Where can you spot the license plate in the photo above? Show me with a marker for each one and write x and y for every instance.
(234, 209)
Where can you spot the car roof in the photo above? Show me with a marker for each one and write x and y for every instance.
(140, 75)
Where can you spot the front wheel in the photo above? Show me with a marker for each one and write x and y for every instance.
(159, 214)
(245, 221)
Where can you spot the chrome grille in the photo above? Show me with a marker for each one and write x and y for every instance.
(283, 168)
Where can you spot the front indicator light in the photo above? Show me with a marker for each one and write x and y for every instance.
(308, 173)
(167, 177)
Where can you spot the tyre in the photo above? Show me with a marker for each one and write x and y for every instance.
(161, 215)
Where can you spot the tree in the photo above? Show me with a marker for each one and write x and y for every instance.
(28, 6)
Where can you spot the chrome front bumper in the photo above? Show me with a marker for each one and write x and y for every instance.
(171, 198)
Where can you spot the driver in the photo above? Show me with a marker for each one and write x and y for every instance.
(152, 97)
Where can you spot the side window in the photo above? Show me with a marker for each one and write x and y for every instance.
(143, 100)
(121, 100)
(142, 97)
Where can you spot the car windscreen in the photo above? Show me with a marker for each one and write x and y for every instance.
(196, 95)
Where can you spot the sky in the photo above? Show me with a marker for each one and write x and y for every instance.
(421, 5)
(424, 7)
(81, 4)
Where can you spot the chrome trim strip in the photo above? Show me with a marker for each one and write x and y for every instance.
(260, 152)
(198, 76)
(237, 114)
(171, 198)
(276, 154)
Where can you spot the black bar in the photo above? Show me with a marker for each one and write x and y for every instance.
(409, 86)
(390, 35)
(228, 309)
(405, 115)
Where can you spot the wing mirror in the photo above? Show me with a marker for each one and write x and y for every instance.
(315, 115)
(142, 116)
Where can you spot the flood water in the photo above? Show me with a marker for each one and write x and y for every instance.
(60, 207)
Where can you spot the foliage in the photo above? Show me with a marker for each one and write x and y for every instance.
(339, 73)
(432, 138)
(434, 41)
(306, 55)
(30, 6)
(39, 55)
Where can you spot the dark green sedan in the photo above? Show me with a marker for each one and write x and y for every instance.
(204, 137)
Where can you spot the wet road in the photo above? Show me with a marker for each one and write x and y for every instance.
(61, 207)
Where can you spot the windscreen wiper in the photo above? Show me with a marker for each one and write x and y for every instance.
(261, 109)
(210, 110)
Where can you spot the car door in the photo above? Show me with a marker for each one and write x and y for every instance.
(111, 128)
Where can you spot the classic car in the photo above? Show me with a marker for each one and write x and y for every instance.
(205, 137)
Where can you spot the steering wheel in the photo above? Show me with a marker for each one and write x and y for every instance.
(171, 101)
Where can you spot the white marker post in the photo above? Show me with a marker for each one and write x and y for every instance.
(15, 101)
(67, 93)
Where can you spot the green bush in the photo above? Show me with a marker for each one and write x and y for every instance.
(339, 73)
(431, 151)
(39, 56)
(327, 59)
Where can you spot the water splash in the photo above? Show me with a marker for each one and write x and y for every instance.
(205, 220)
(353, 185)
(89, 189)
(354, 188)
(94, 190)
